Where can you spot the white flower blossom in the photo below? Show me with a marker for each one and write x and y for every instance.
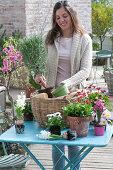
(20, 102)
(44, 134)
(50, 115)
(19, 105)
(57, 114)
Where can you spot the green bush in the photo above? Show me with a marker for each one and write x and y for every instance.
(96, 45)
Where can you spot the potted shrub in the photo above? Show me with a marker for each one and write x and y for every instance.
(27, 111)
(31, 86)
(55, 123)
(19, 106)
(34, 56)
(79, 116)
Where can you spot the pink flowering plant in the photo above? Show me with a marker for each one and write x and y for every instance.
(91, 94)
(101, 115)
(96, 97)
(99, 108)
(12, 61)
(92, 101)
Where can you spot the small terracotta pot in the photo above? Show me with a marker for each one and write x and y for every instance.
(29, 91)
(79, 124)
(99, 131)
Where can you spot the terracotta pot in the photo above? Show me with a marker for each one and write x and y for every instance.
(79, 124)
(99, 131)
(29, 91)
(55, 130)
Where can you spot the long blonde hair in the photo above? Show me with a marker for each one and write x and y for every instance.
(56, 30)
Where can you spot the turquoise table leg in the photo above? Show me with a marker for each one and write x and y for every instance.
(73, 159)
(81, 157)
(61, 153)
(70, 162)
(82, 154)
(32, 156)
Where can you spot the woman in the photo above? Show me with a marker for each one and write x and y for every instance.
(69, 62)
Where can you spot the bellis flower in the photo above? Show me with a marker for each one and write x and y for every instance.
(55, 120)
(92, 94)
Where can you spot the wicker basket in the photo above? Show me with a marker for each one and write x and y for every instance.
(43, 106)
(109, 80)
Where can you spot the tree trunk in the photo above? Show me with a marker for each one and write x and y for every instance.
(6, 85)
(11, 100)
(101, 42)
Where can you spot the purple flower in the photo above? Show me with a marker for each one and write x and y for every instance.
(9, 70)
(19, 57)
(99, 108)
(5, 69)
(11, 48)
(5, 62)
(22, 63)
(18, 53)
(5, 50)
(12, 58)
(15, 63)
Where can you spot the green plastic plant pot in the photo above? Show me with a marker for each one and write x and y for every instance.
(60, 91)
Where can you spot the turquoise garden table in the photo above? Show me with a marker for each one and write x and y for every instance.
(32, 129)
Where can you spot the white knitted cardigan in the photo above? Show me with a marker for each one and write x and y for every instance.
(81, 61)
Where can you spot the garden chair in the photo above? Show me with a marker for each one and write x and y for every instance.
(15, 161)
(103, 54)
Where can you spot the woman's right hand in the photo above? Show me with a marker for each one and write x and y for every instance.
(40, 80)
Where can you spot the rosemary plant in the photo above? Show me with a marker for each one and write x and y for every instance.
(34, 54)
